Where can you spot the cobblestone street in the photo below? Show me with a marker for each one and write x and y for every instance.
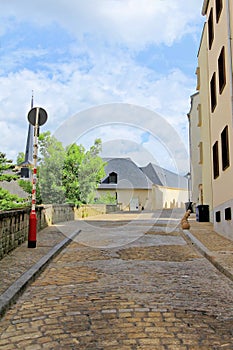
(127, 282)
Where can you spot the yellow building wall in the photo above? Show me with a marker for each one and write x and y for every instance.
(156, 198)
(168, 198)
(222, 115)
(205, 136)
(195, 140)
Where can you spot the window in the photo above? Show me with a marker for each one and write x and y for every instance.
(200, 152)
(198, 78)
(213, 92)
(215, 160)
(218, 216)
(211, 28)
(221, 70)
(228, 213)
(112, 178)
(225, 148)
(218, 4)
(199, 123)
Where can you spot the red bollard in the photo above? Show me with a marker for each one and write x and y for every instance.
(32, 230)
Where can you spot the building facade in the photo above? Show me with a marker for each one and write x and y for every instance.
(214, 83)
(196, 151)
(149, 188)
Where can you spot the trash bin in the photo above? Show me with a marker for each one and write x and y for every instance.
(202, 213)
(189, 206)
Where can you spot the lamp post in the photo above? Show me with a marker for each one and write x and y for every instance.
(37, 116)
(189, 204)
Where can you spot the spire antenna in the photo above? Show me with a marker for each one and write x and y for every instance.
(32, 99)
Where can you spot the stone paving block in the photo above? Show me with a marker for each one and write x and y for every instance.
(92, 299)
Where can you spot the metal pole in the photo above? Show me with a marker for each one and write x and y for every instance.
(32, 217)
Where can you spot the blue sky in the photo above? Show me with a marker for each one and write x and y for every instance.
(76, 55)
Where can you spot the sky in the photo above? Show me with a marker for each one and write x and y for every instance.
(119, 70)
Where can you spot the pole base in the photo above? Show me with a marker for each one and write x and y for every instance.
(32, 230)
(31, 244)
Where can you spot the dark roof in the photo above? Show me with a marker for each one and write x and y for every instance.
(14, 188)
(129, 175)
(162, 177)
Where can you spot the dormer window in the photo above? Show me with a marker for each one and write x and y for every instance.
(112, 178)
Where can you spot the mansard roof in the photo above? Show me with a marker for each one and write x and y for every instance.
(130, 176)
(163, 177)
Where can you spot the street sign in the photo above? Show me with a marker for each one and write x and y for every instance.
(42, 117)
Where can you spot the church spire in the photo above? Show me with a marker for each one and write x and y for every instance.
(29, 145)
(28, 160)
(32, 99)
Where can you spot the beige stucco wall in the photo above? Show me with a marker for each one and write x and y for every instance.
(222, 114)
(195, 139)
(124, 197)
(205, 136)
(158, 197)
(166, 197)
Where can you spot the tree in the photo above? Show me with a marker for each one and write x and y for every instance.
(73, 159)
(82, 172)
(10, 201)
(20, 158)
(52, 155)
(6, 168)
(106, 198)
(91, 171)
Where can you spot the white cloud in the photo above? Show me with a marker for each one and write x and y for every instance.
(99, 67)
(120, 122)
(135, 23)
(128, 83)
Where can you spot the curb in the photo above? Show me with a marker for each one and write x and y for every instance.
(207, 254)
(17, 288)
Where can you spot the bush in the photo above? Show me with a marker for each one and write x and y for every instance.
(10, 201)
(105, 199)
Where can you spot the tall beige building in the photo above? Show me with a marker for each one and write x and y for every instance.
(195, 156)
(214, 82)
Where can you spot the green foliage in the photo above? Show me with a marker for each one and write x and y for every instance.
(20, 158)
(73, 159)
(6, 165)
(26, 185)
(82, 172)
(10, 201)
(52, 155)
(106, 198)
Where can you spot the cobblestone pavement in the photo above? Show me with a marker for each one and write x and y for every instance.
(148, 290)
(13, 265)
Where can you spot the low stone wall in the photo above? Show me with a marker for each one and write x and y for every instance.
(89, 210)
(14, 224)
(94, 209)
(58, 213)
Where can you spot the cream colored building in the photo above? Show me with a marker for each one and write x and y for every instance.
(196, 151)
(150, 187)
(214, 76)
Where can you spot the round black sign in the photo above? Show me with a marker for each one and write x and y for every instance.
(42, 117)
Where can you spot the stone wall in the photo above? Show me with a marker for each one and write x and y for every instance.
(94, 209)
(14, 224)
(58, 213)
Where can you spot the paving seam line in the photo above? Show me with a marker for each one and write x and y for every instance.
(12, 293)
(207, 254)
